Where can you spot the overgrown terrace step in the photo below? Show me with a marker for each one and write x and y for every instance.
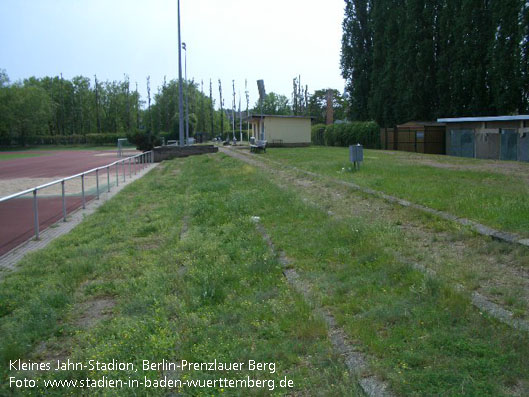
(476, 226)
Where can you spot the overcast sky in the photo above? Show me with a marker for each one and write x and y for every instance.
(274, 40)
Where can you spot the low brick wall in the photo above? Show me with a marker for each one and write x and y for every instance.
(170, 152)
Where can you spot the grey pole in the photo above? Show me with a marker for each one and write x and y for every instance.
(63, 202)
(108, 178)
(36, 214)
(186, 93)
(97, 183)
(82, 189)
(117, 175)
(180, 92)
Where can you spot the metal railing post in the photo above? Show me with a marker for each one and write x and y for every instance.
(97, 183)
(108, 178)
(36, 214)
(135, 158)
(117, 175)
(123, 169)
(82, 190)
(63, 202)
(130, 169)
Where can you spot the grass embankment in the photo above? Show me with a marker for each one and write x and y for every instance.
(214, 293)
(218, 293)
(467, 188)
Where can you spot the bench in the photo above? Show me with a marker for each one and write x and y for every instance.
(259, 145)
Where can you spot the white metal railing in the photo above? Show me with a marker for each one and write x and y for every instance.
(135, 163)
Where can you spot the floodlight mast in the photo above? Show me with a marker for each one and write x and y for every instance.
(233, 111)
(186, 93)
(247, 110)
(262, 96)
(240, 118)
(180, 92)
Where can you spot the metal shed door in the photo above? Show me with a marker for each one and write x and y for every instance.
(462, 143)
(523, 147)
(509, 145)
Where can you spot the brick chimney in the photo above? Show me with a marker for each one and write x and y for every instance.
(330, 110)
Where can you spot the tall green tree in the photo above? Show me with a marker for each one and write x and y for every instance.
(524, 61)
(274, 104)
(505, 56)
(421, 59)
(357, 55)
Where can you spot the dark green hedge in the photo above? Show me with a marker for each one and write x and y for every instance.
(367, 133)
(75, 139)
(317, 134)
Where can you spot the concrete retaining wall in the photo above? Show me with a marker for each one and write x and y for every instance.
(170, 152)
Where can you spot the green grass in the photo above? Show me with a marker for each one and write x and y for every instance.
(4, 150)
(11, 156)
(218, 293)
(492, 198)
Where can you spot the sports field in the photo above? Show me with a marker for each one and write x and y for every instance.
(236, 260)
(23, 170)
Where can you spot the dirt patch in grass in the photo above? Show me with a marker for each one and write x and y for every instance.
(53, 350)
(94, 311)
(520, 389)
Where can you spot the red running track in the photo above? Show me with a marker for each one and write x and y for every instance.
(17, 219)
(16, 216)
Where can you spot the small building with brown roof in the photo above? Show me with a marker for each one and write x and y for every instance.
(415, 136)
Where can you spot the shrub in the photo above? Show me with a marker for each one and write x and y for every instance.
(143, 141)
(330, 135)
(364, 132)
(317, 134)
(167, 136)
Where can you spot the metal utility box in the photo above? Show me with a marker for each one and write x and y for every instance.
(356, 154)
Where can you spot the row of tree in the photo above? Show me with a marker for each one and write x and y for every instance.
(42, 110)
(422, 59)
(53, 106)
(83, 110)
